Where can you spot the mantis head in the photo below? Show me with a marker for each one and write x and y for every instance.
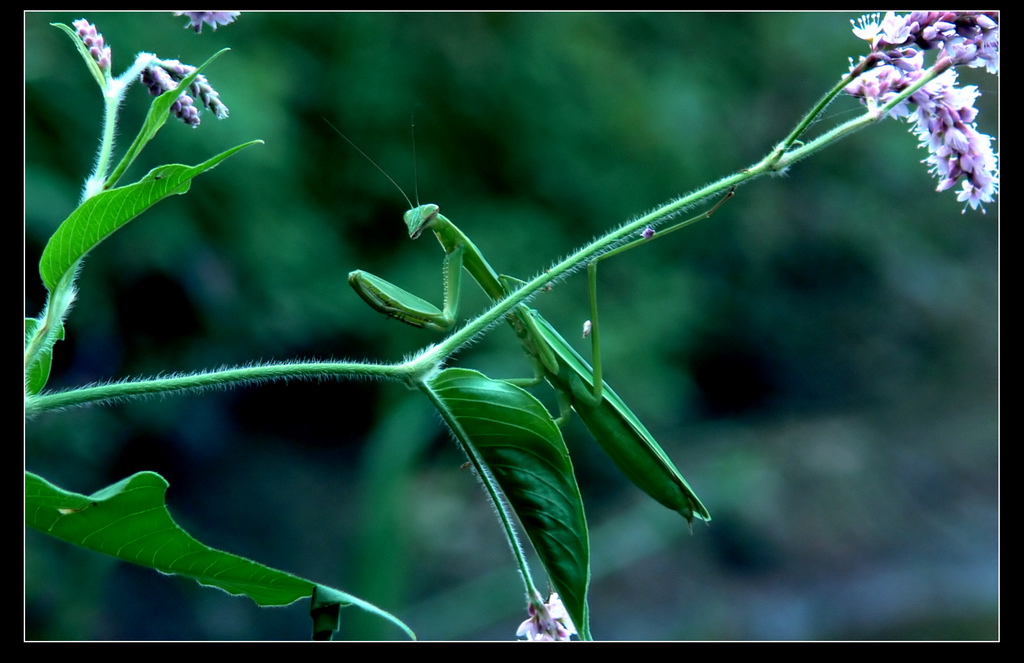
(420, 218)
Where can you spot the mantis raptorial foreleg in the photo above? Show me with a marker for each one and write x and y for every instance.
(460, 252)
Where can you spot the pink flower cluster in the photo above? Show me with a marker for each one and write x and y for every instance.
(164, 75)
(213, 19)
(944, 120)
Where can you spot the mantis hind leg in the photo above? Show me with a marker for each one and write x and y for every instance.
(591, 328)
(594, 330)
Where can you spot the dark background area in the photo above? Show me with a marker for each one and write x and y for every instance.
(820, 358)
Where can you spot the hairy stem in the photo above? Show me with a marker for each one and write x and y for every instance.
(416, 370)
(115, 391)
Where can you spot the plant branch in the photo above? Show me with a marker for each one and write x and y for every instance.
(420, 367)
(304, 370)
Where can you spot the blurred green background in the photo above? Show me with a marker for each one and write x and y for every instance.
(820, 358)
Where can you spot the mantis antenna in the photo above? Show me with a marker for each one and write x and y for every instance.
(415, 161)
(391, 179)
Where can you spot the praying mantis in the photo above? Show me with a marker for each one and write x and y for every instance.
(578, 386)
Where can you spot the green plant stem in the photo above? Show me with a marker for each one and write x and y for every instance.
(872, 115)
(822, 104)
(58, 303)
(116, 391)
(420, 367)
(495, 495)
(113, 93)
(111, 102)
(775, 162)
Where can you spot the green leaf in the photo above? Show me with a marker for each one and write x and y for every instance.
(98, 217)
(516, 438)
(159, 112)
(129, 520)
(37, 371)
(83, 50)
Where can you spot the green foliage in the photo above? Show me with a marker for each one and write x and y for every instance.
(99, 216)
(156, 117)
(129, 520)
(508, 433)
(38, 371)
(83, 50)
(804, 350)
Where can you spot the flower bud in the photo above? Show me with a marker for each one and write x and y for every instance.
(93, 41)
(164, 75)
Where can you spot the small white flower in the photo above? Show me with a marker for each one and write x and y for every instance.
(869, 27)
(547, 621)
